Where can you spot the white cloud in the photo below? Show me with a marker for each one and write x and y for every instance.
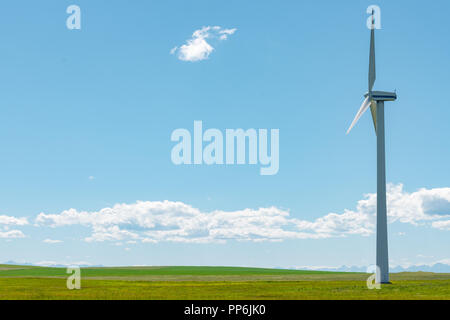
(226, 32)
(157, 221)
(198, 48)
(7, 220)
(414, 208)
(444, 261)
(423, 256)
(112, 233)
(419, 206)
(12, 234)
(52, 241)
(442, 225)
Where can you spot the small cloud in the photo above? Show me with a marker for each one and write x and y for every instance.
(401, 234)
(442, 225)
(8, 220)
(91, 177)
(226, 32)
(51, 241)
(444, 261)
(12, 234)
(198, 48)
(424, 256)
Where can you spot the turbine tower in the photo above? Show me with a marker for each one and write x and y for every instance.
(376, 99)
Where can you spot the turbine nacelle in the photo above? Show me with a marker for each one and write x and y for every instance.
(381, 96)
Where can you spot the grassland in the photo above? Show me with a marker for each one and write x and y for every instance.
(26, 282)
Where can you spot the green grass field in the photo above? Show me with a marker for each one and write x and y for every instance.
(26, 282)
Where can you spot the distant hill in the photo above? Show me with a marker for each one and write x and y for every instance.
(436, 268)
(49, 264)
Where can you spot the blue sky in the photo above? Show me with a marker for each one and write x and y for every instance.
(86, 117)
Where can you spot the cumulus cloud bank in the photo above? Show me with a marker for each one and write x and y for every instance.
(198, 48)
(156, 221)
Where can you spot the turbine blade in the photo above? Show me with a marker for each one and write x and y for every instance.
(372, 69)
(373, 109)
(361, 111)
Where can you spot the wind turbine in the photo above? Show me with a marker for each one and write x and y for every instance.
(376, 99)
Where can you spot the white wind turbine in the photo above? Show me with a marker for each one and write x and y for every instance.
(376, 99)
